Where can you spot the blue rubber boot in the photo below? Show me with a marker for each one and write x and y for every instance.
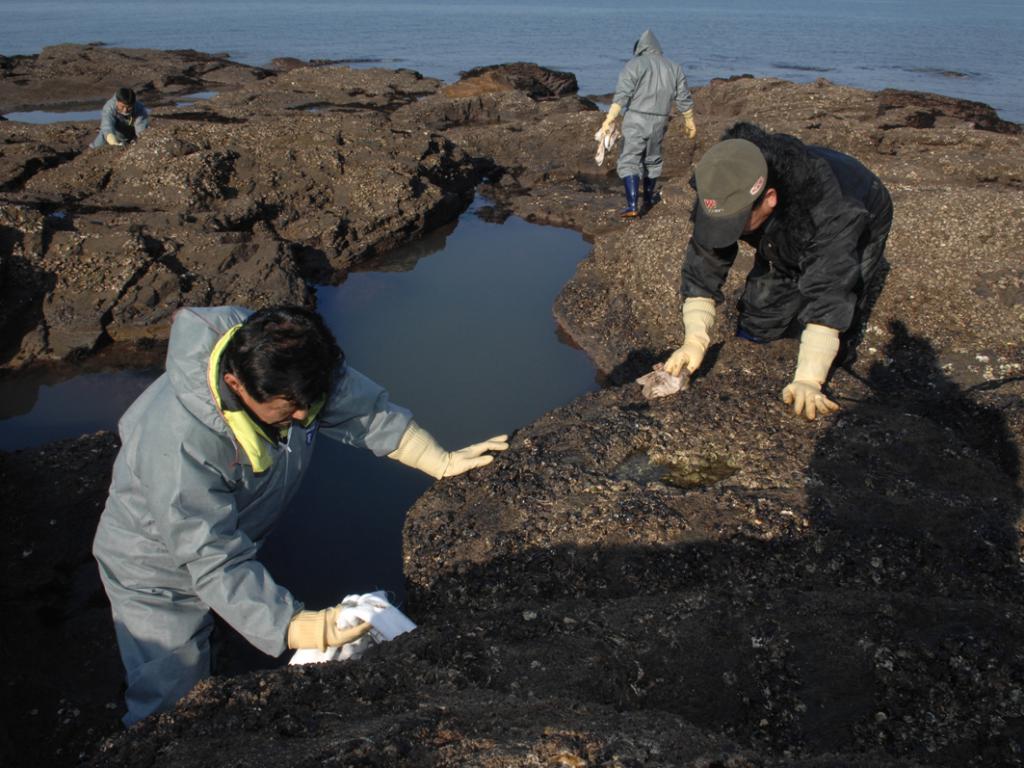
(650, 196)
(632, 185)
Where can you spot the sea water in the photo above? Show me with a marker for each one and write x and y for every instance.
(970, 50)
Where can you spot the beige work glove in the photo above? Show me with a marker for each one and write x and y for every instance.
(113, 141)
(688, 125)
(418, 449)
(698, 320)
(319, 629)
(613, 112)
(818, 347)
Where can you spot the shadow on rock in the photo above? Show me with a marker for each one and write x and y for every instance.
(637, 363)
(23, 285)
(924, 482)
(852, 339)
(62, 674)
(938, 465)
(641, 361)
(204, 117)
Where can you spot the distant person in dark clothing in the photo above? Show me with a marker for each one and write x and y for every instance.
(818, 220)
(124, 119)
(648, 86)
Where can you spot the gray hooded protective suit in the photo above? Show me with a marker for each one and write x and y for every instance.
(123, 128)
(648, 86)
(186, 514)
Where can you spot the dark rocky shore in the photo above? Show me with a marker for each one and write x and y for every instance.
(702, 580)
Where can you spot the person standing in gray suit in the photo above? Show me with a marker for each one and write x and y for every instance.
(648, 86)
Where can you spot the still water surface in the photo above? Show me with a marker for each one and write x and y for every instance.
(466, 340)
(42, 116)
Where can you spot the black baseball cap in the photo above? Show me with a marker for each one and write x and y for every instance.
(730, 178)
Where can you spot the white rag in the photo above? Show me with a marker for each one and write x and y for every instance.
(606, 142)
(387, 623)
(661, 383)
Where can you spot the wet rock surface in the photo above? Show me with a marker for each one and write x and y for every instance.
(700, 580)
(62, 676)
(536, 82)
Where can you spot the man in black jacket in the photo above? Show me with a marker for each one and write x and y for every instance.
(818, 220)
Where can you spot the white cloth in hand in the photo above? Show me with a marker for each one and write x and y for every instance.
(605, 141)
(661, 383)
(387, 621)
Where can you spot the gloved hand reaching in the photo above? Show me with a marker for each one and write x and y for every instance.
(613, 112)
(807, 399)
(688, 125)
(319, 629)
(418, 449)
(474, 456)
(818, 347)
(113, 141)
(698, 320)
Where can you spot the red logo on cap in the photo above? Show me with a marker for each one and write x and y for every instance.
(758, 186)
(710, 203)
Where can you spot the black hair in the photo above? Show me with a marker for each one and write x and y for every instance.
(284, 352)
(790, 172)
(125, 96)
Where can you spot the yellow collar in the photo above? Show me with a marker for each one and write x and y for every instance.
(249, 435)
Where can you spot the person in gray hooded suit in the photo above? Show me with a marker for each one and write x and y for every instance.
(122, 121)
(648, 86)
(211, 454)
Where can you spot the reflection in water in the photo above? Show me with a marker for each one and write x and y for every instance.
(464, 338)
(44, 117)
(407, 257)
(36, 410)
